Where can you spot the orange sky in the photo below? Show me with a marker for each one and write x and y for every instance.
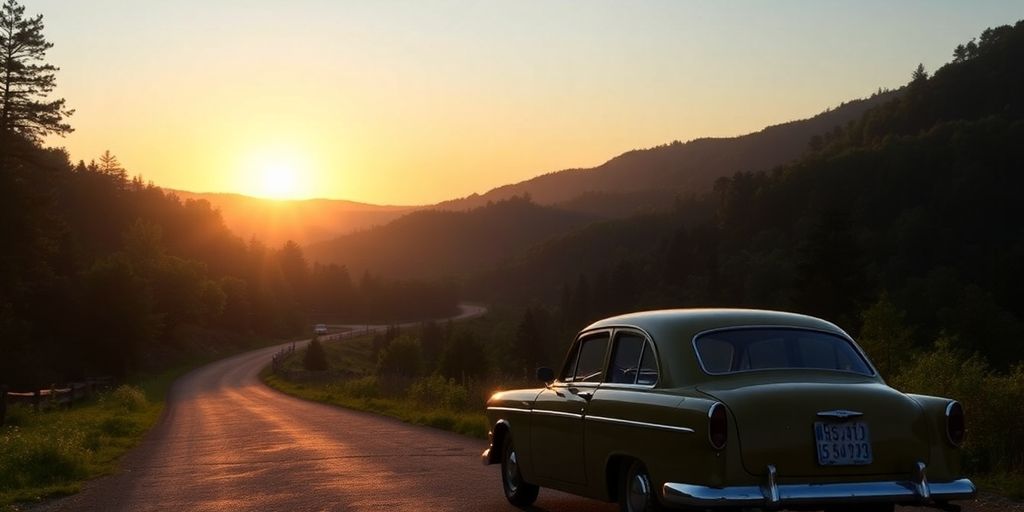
(408, 102)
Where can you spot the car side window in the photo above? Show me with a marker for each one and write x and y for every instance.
(589, 359)
(626, 358)
(648, 375)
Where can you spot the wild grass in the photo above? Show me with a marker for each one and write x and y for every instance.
(51, 453)
(432, 400)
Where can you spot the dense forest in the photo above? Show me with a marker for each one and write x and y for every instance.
(912, 209)
(103, 274)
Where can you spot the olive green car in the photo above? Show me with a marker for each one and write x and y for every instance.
(726, 409)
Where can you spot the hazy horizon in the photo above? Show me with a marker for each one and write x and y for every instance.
(408, 103)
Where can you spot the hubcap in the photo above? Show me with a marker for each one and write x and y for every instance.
(512, 472)
(639, 492)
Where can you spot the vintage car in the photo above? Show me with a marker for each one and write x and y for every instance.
(726, 409)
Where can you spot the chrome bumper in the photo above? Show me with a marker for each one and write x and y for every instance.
(773, 495)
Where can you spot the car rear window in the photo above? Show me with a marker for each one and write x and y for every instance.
(746, 349)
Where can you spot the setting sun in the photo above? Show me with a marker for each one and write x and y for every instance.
(285, 171)
(278, 181)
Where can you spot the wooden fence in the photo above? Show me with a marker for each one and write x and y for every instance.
(42, 399)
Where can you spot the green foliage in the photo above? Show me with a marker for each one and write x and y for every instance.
(464, 358)
(993, 403)
(26, 78)
(128, 398)
(34, 459)
(315, 359)
(401, 357)
(885, 337)
(440, 392)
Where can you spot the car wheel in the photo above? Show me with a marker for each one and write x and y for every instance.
(517, 491)
(636, 493)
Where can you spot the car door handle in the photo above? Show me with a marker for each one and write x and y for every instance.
(586, 395)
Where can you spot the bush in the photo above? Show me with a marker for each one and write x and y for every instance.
(129, 398)
(402, 357)
(994, 403)
(365, 387)
(438, 391)
(315, 358)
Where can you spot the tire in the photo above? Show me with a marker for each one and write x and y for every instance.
(517, 491)
(636, 492)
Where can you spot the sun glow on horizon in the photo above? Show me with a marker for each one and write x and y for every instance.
(278, 174)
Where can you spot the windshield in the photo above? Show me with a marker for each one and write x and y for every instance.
(770, 348)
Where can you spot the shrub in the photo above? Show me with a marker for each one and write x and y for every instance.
(994, 403)
(129, 398)
(365, 387)
(438, 391)
(402, 357)
(315, 358)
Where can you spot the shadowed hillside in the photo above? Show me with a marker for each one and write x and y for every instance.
(648, 179)
(432, 243)
(303, 221)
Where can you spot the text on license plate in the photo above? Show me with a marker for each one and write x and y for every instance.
(845, 443)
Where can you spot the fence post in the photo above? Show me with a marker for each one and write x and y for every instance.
(3, 404)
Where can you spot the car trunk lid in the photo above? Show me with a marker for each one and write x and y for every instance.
(776, 423)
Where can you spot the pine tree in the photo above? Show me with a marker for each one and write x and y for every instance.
(26, 79)
(315, 358)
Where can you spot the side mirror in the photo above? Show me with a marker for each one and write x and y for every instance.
(545, 374)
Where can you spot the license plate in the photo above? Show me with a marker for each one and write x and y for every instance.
(846, 443)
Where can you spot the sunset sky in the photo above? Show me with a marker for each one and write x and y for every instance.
(413, 102)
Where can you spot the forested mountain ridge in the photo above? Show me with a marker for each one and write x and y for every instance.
(664, 172)
(303, 221)
(909, 213)
(437, 243)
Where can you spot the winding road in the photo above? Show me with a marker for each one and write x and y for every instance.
(226, 442)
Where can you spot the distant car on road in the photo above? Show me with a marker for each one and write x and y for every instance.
(725, 409)
(319, 329)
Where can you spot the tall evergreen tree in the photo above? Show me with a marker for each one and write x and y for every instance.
(26, 79)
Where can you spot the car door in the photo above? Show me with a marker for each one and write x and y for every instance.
(557, 431)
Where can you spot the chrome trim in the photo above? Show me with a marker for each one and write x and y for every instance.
(558, 413)
(921, 481)
(771, 494)
(949, 438)
(672, 428)
(511, 409)
(711, 410)
(841, 414)
(485, 457)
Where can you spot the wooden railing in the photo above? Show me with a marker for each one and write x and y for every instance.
(53, 397)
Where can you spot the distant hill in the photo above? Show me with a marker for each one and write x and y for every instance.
(303, 221)
(912, 207)
(657, 175)
(463, 236)
(434, 243)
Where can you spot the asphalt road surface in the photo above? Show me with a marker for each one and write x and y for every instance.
(228, 443)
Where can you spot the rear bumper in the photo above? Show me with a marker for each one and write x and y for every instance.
(917, 490)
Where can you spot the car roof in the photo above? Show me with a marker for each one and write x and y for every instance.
(674, 329)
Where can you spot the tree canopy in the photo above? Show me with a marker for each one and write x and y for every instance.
(26, 79)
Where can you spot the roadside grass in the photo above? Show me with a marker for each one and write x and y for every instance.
(363, 394)
(432, 401)
(1010, 485)
(52, 453)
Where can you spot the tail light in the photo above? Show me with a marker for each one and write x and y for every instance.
(718, 426)
(956, 426)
